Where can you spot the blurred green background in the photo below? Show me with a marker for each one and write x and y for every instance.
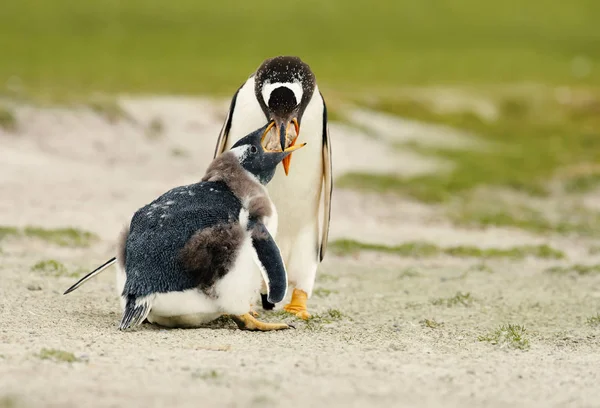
(535, 62)
(193, 46)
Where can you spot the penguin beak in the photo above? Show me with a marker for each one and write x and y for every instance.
(279, 156)
(282, 138)
(283, 133)
(287, 151)
(266, 132)
(283, 127)
(290, 149)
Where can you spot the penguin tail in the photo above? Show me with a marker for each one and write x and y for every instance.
(91, 275)
(136, 311)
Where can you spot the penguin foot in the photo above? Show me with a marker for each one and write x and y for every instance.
(253, 313)
(247, 322)
(297, 305)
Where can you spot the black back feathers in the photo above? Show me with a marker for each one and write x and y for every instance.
(160, 231)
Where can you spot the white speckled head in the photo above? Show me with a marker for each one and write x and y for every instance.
(241, 152)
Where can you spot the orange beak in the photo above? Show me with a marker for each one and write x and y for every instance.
(269, 127)
(286, 161)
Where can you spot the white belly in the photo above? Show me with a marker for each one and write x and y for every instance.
(183, 309)
(296, 196)
(192, 308)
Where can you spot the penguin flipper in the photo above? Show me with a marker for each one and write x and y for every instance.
(327, 184)
(268, 258)
(91, 275)
(223, 135)
(136, 311)
(265, 302)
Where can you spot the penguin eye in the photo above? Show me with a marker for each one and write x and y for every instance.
(253, 149)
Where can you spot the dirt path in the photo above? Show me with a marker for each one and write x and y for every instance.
(392, 331)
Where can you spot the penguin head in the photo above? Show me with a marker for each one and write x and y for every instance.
(255, 159)
(284, 86)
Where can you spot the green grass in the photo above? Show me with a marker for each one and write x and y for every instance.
(262, 400)
(421, 249)
(8, 120)
(108, 108)
(150, 46)
(536, 142)
(8, 402)
(54, 268)
(578, 269)
(277, 314)
(431, 323)
(460, 299)
(65, 237)
(533, 139)
(334, 314)
(409, 273)
(155, 129)
(583, 183)
(322, 292)
(474, 213)
(594, 320)
(179, 152)
(8, 231)
(326, 277)
(207, 375)
(481, 267)
(50, 266)
(423, 188)
(57, 355)
(346, 247)
(511, 336)
(316, 321)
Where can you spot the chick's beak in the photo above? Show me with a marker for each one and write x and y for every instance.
(281, 156)
(292, 148)
(266, 132)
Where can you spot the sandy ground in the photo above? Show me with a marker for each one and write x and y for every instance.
(74, 168)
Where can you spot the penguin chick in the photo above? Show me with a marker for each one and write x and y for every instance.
(188, 257)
